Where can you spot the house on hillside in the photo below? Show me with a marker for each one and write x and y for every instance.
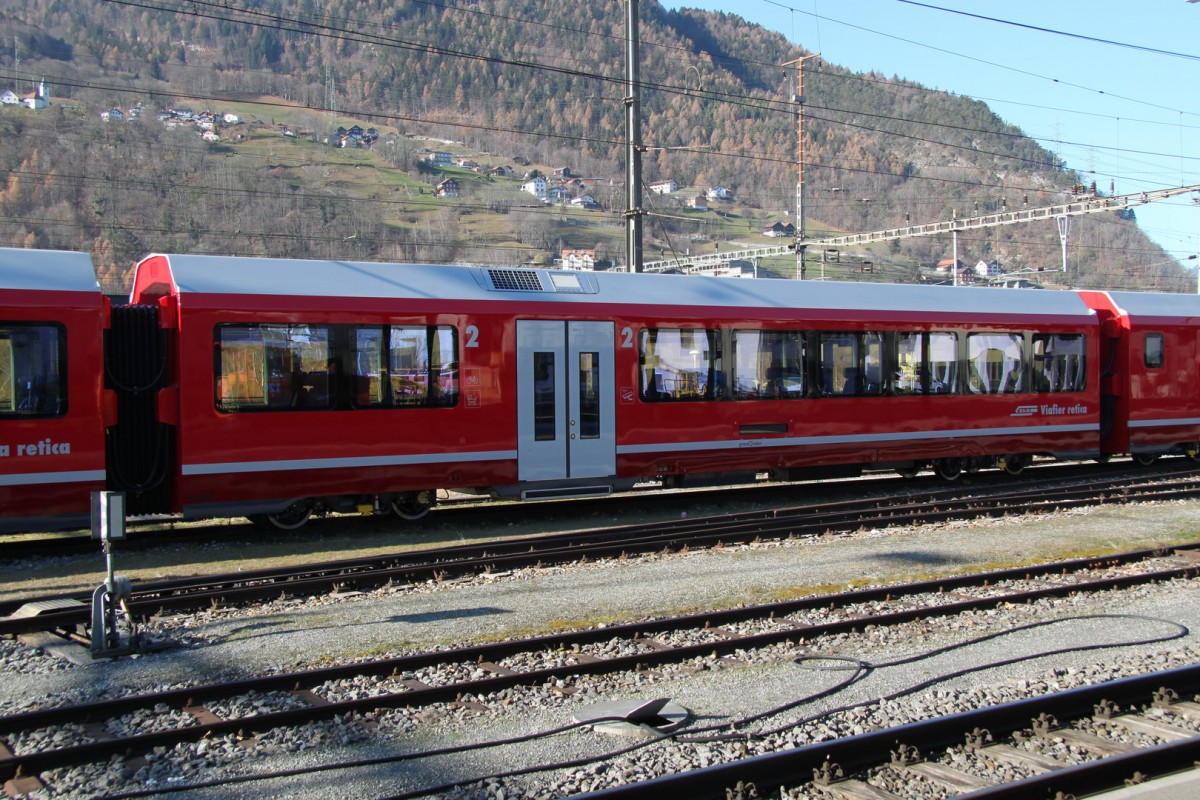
(39, 98)
(439, 159)
(719, 193)
(536, 187)
(112, 115)
(779, 229)
(9, 98)
(989, 269)
(698, 203)
(577, 259)
(664, 187)
(585, 201)
(447, 188)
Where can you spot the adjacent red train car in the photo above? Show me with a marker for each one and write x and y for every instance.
(1150, 391)
(293, 386)
(52, 405)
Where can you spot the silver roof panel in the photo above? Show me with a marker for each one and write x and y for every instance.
(47, 270)
(268, 276)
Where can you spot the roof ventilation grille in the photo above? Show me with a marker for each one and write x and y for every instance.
(517, 280)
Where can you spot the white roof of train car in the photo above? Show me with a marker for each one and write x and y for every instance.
(1148, 304)
(47, 270)
(266, 276)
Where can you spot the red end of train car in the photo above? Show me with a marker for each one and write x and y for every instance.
(52, 404)
(1151, 349)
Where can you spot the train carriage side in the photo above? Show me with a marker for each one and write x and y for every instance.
(53, 409)
(308, 385)
(800, 379)
(1152, 344)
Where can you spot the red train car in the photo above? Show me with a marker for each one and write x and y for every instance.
(1150, 392)
(293, 386)
(53, 409)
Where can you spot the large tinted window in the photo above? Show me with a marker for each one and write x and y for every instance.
(680, 364)
(768, 364)
(850, 364)
(926, 363)
(312, 367)
(994, 363)
(33, 370)
(1059, 362)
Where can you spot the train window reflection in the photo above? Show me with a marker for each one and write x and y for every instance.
(926, 363)
(33, 370)
(994, 363)
(1059, 362)
(851, 364)
(680, 364)
(768, 364)
(271, 367)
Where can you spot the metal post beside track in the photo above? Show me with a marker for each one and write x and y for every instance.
(110, 608)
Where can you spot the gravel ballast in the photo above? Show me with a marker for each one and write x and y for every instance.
(294, 633)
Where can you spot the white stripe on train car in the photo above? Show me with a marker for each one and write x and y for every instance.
(1162, 423)
(39, 478)
(857, 438)
(346, 463)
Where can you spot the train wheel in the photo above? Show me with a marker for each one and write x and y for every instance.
(949, 469)
(1014, 465)
(1145, 459)
(413, 506)
(291, 518)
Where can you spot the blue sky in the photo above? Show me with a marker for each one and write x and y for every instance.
(1118, 98)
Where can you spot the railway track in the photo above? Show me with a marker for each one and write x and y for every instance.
(151, 533)
(1062, 744)
(43, 741)
(182, 595)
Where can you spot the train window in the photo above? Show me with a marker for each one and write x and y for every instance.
(680, 364)
(850, 364)
(994, 363)
(422, 365)
(589, 395)
(33, 370)
(1154, 350)
(1058, 362)
(262, 367)
(926, 363)
(768, 364)
(367, 372)
(545, 394)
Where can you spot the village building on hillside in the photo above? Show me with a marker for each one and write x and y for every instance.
(719, 193)
(536, 187)
(39, 98)
(447, 188)
(577, 259)
(664, 187)
(780, 229)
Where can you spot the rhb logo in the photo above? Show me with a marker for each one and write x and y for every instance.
(1025, 411)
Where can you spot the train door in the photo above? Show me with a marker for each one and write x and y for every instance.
(565, 400)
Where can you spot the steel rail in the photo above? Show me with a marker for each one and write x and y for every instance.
(768, 773)
(485, 655)
(194, 593)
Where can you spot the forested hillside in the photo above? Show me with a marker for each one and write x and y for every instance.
(528, 86)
